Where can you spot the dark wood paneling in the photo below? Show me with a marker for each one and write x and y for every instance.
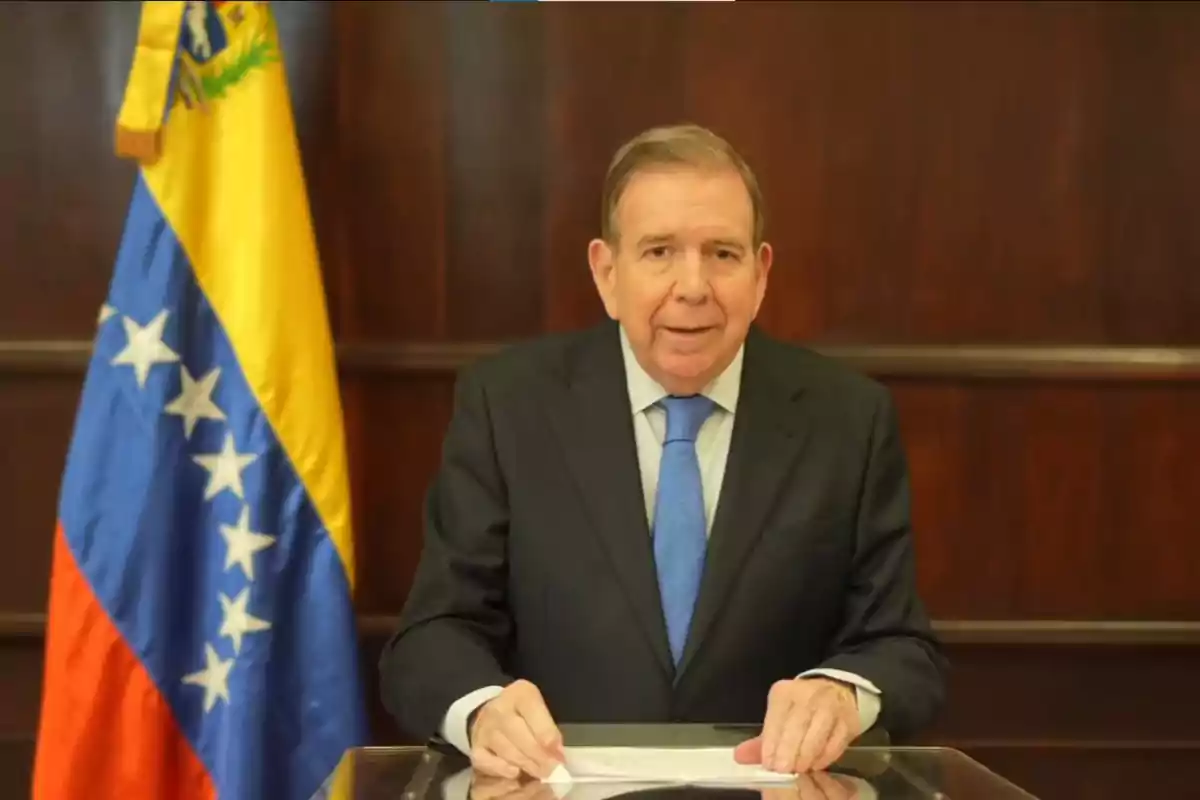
(1075, 633)
(1091, 693)
(997, 196)
(62, 193)
(925, 182)
(16, 766)
(395, 476)
(310, 42)
(1120, 771)
(495, 72)
(36, 414)
(391, 156)
(972, 172)
(1037, 500)
(20, 686)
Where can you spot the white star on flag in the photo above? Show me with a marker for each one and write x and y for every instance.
(243, 543)
(145, 347)
(106, 313)
(195, 399)
(225, 469)
(236, 620)
(214, 678)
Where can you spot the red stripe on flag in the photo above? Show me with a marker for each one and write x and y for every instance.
(105, 730)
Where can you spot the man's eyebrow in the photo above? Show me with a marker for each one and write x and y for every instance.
(655, 238)
(732, 244)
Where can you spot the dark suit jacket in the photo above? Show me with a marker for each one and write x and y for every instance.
(538, 561)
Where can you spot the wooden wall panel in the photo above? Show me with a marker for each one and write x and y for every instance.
(939, 178)
(390, 188)
(913, 157)
(496, 164)
(36, 414)
(21, 677)
(62, 194)
(1097, 773)
(395, 474)
(1036, 499)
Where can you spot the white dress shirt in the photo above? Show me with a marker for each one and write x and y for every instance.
(712, 451)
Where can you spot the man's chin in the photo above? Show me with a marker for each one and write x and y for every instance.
(686, 373)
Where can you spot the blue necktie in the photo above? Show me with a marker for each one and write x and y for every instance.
(679, 526)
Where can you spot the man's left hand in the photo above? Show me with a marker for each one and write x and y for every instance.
(809, 724)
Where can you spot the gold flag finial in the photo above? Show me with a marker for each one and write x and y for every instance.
(139, 124)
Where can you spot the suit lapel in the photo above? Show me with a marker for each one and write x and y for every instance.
(768, 434)
(594, 424)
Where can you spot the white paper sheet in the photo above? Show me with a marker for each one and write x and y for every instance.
(691, 765)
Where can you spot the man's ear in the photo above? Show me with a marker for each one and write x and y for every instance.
(602, 261)
(765, 257)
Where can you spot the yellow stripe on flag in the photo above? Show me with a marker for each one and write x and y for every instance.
(230, 183)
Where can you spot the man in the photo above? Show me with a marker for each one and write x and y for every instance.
(669, 518)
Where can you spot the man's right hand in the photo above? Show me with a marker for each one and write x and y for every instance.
(514, 733)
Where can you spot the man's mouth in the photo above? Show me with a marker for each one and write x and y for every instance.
(688, 331)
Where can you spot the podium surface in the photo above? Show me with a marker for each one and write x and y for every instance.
(863, 773)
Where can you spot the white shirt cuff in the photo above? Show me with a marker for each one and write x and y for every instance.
(866, 694)
(454, 725)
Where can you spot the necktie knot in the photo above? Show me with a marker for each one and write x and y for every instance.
(685, 415)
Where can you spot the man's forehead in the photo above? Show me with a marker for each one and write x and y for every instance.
(691, 203)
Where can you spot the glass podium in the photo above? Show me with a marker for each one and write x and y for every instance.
(867, 771)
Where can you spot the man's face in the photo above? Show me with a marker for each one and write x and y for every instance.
(683, 279)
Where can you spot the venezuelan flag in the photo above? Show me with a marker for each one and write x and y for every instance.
(200, 637)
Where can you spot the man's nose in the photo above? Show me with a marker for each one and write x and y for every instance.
(691, 280)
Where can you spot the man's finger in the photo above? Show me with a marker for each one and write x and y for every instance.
(749, 751)
(486, 762)
(516, 729)
(500, 744)
(834, 747)
(790, 738)
(815, 738)
(779, 704)
(533, 709)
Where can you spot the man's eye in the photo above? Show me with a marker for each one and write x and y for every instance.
(658, 252)
(727, 255)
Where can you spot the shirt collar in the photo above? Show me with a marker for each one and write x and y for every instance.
(644, 391)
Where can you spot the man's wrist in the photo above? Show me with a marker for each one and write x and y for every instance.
(456, 723)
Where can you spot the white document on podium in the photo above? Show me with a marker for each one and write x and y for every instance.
(679, 765)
